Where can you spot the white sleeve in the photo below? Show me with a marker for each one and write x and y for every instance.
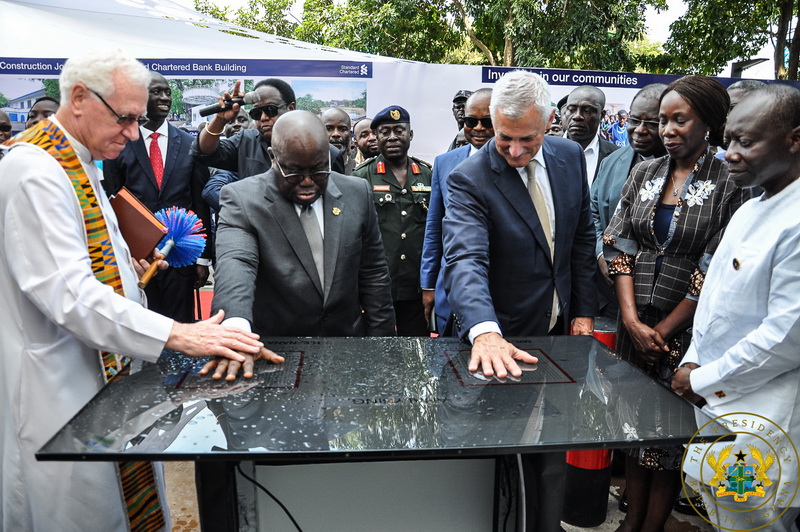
(44, 234)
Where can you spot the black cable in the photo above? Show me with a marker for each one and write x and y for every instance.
(271, 496)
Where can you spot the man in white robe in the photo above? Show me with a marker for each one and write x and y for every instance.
(55, 314)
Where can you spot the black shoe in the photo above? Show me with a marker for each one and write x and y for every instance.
(623, 502)
(691, 506)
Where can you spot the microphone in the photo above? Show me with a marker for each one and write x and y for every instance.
(249, 99)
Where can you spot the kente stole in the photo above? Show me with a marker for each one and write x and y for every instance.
(137, 478)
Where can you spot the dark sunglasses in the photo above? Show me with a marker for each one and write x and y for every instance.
(5, 128)
(270, 110)
(122, 120)
(471, 121)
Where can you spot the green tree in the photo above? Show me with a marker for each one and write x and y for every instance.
(3, 100)
(581, 34)
(268, 16)
(557, 33)
(414, 30)
(51, 88)
(308, 103)
(713, 32)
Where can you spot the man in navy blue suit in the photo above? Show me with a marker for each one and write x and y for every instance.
(159, 170)
(519, 253)
(478, 131)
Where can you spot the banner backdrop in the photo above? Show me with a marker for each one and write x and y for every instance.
(359, 87)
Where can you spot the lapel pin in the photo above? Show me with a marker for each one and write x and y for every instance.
(336, 211)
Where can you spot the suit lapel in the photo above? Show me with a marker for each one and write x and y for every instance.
(174, 142)
(144, 161)
(287, 219)
(509, 183)
(333, 220)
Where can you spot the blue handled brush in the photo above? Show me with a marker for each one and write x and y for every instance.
(183, 243)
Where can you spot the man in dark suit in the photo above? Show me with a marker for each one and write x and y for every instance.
(246, 152)
(299, 253)
(158, 169)
(271, 274)
(519, 253)
(582, 114)
(477, 130)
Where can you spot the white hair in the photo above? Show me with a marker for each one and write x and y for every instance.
(515, 93)
(96, 70)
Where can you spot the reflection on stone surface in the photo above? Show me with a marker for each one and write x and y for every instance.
(380, 396)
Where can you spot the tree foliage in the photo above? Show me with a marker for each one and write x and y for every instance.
(713, 32)
(415, 30)
(268, 16)
(578, 34)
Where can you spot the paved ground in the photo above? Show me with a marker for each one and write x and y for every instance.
(183, 505)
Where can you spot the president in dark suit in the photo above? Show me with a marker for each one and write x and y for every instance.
(519, 252)
(271, 274)
(158, 169)
(299, 253)
(478, 131)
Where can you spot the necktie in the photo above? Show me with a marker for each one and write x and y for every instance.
(314, 235)
(156, 160)
(544, 219)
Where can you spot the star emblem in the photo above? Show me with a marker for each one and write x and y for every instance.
(740, 456)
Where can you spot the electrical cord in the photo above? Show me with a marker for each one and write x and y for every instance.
(271, 496)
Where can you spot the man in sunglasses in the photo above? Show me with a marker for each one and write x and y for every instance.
(71, 301)
(5, 128)
(478, 129)
(246, 153)
(158, 169)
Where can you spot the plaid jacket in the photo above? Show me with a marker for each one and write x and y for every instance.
(707, 201)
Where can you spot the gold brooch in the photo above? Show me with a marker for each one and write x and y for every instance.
(336, 211)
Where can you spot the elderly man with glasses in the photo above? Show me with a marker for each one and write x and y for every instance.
(72, 311)
(246, 152)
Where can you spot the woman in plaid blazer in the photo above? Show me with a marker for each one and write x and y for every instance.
(659, 244)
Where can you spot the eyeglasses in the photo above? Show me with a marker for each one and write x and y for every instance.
(636, 122)
(471, 121)
(123, 120)
(270, 110)
(5, 128)
(459, 106)
(297, 178)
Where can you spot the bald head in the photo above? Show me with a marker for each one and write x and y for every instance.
(300, 157)
(338, 125)
(299, 130)
(582, 113)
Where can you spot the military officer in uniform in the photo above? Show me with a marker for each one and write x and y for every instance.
(401, 189)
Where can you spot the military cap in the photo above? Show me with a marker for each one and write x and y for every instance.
(462, 95)
(394, 114)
